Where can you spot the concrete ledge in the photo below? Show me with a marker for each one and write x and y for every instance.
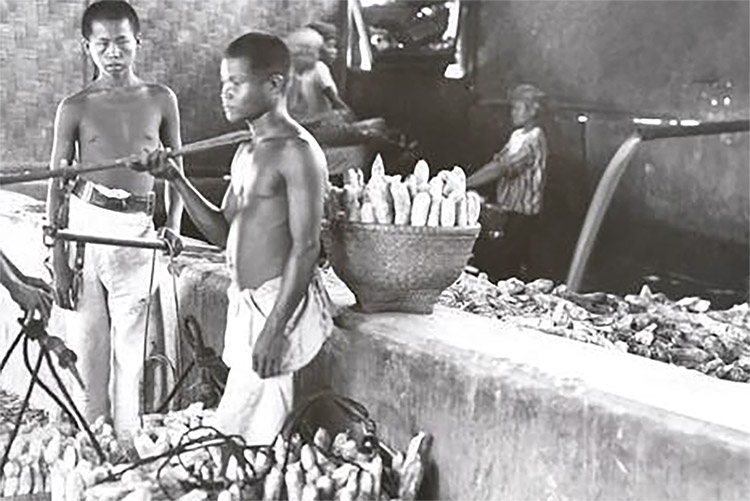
(519, 414)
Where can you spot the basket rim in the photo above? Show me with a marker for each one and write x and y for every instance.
(404, 228)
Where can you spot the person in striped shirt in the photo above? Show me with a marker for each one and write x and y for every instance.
(519, 170)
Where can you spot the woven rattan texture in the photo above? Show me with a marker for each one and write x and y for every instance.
(397, 268)
(41, 60)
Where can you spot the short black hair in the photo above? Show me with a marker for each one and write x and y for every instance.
(326, 30)
(266, 53)
(109, 10)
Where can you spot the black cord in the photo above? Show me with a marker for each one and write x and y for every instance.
(82, 420)
(46, 389)
(24, 405)
(13, 345)
(163, 407)
(145, 336)
(176, 308)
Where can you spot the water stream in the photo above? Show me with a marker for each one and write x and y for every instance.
(599, 204)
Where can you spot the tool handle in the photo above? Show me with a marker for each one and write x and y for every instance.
(188, 149)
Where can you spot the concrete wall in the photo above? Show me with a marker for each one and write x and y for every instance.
(613, 60)
(527, 416)
(182, 42)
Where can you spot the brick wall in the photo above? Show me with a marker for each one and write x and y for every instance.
(42, 60)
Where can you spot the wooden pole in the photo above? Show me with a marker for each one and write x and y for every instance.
(196, 147)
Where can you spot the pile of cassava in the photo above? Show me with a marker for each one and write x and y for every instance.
(179, 456)
(685, 332)
(416, 201)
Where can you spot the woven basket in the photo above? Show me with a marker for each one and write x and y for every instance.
(397, 268)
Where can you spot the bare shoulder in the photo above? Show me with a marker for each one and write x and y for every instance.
(292, 152)
(537, 133)
(160, 93)
(74, 103)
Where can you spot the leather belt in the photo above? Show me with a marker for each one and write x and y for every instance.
(89, 193)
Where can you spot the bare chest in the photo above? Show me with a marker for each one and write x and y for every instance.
(251, 182)
(114, 126)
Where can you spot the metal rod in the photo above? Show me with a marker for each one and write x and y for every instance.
(196, 147)
(699, 129)
(143, 243)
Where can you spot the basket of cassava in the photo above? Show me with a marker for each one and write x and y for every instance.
(398, 244)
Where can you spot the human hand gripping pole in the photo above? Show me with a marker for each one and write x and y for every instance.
(133, 161)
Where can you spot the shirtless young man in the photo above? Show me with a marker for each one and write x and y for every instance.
(116, 115)
(269, 222)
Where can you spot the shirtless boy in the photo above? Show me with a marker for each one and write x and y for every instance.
(116, 115)
(313, 95)
(269, 223)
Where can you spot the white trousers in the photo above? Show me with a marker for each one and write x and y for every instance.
(107, 329)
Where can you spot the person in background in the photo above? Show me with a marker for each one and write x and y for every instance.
(313, 95)
(519, 171)
(279, 314)
(30, 293)
(330, 51)
(116, 115)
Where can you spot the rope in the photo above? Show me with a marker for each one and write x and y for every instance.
(84, 424)
(24, 405)
(13, 345)
(145, 337)
(176, 296)
(171, 252)
(47, 390)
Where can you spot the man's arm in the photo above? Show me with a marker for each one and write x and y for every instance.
(209, 218)
(336, 102)
(488, 172)
(170, 137)
(516, 163)
(29, 296)
(64, 140)
(330, 91)
(304, 179)
(65, 137)
(533, 148)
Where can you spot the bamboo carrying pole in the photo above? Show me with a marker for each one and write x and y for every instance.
(196, 147)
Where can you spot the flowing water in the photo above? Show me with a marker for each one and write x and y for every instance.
(599, 205)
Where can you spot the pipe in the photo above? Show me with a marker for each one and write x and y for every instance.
(699, 129)
(611, 178)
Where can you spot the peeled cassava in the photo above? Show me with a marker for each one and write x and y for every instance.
(401, 203)
(416, 201)
(420, 209)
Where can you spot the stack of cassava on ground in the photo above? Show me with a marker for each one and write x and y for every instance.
(176, 456)
(55, 458)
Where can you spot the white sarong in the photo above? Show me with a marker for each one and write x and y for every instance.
(252, 407)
